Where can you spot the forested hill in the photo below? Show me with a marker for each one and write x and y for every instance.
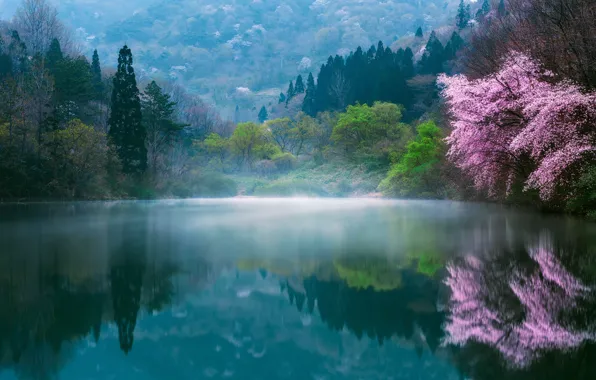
(216, 47)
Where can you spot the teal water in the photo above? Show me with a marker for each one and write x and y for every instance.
(294, 289)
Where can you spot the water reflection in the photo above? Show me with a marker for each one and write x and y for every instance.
(295, 289)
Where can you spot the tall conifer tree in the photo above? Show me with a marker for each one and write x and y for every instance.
(54, 56)
(309, 103)
(98, 86)
(263, 115)
(126, 128)
(299, 88)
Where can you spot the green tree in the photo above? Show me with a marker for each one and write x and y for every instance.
(263, 115)
(73, 86)
(54, 56)
(126, 128)
(299, 88)
(78, 157)
(250, 142)
(362, 126)
(433, 57)
(501, 9)
(282, 98)
(281, 132)
(309, 103)
(5, 60)
(416, 174)
(158, 120)
(290, 93)
(217, 147)
(463, 15)
(419, 33)
(97, 82)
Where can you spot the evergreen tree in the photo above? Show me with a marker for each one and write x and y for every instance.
(453, 46)
(290, 93)
(5, 61)
(54, 56)
(419, 33)
(158, 120)
(299, 88)
(263, 115)
(72, 87)
(309, 103)
(501, 10)
(126, 129)
(407, 63)
(98, 86)
(483, 10)
(463, 15)
(282, 98)
(485, 7)
(433, 57)
(17, 50)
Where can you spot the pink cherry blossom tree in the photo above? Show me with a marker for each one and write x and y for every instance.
(520, 122)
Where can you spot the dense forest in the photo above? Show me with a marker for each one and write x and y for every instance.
(497, 106)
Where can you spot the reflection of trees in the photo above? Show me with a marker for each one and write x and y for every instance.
(378, 314)
(126, 277)
(524, 310)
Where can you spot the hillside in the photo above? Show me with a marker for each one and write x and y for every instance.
(243, 52)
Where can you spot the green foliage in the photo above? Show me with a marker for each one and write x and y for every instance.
(251, 142)
(583, 199)
(416, 173)
(158, 113)
(363, 128)
(284, 162)
(77, 159)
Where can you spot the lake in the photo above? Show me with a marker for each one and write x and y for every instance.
(295, 289)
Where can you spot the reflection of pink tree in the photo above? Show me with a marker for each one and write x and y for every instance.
(479, 310)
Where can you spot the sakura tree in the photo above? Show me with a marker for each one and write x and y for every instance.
(516, 311)
(521, 122)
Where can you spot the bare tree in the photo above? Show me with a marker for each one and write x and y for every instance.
(38, 23)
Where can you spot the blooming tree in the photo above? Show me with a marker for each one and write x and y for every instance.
(479, 309)
(520, 122)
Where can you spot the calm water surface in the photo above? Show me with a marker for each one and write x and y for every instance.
(295, 289)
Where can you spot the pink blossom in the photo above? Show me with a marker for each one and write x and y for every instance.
(504, 119)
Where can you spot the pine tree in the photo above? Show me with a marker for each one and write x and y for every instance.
(290, 93)
(501, 10)
(127, 132)
(237, 114)
(419, 33)
(485, 6)
(433, 57)
(54, 56)
(462, 18)
(158, 111)
(407, 63)
(299, 88)
(17, 50)
(98, 86)
(282, 98)
(453, 46)
(5, 61)
(309, 103)
(73, 87)
(263, 115)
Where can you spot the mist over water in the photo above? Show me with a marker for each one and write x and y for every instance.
(298, 288)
